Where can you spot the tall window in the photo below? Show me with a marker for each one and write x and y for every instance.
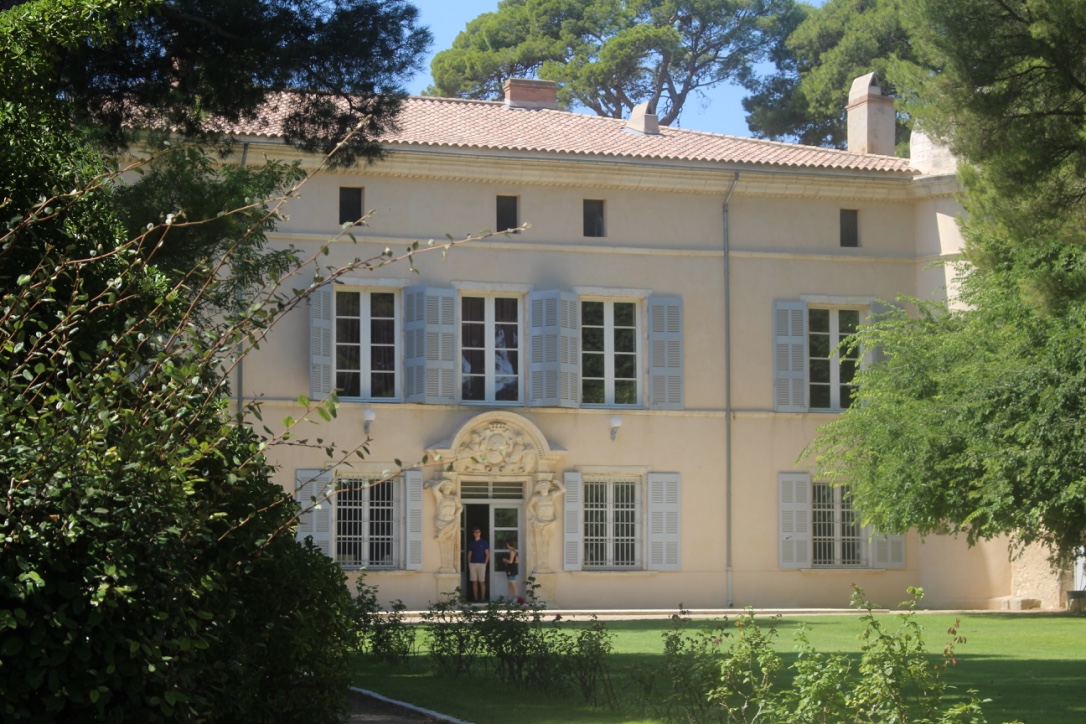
(490, 349)
(508, 218)
(593, 218)
(817, 527)
(609, 341)
(350, 204)
(611, 523)
(835, 535)
(366, 514)
(831, 369)
(365, 336)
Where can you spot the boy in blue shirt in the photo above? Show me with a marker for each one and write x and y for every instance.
(478, 558)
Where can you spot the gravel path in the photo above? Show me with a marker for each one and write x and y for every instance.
(375, 711)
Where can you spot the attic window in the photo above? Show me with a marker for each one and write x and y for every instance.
(508, 217)
(350, 204)
(593, 217)
(850, 228)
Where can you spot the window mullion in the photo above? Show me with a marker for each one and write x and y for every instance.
(611, 514)
(364, 328)
(363, 523)
(838, 524)
(637, 539)
(609, 352)
(489, 355)
(835, 367)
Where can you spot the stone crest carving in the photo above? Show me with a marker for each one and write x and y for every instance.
(497, 448)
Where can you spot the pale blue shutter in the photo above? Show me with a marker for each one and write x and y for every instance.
(429, 345)
(789, 356)
(313, 489)
(665, 353)
(414, 343)
(794, 515)
(571, 524)
(321, 365)
(888, 551)
(554, 336)
(413, 539)
(663, 521)
(879, 308)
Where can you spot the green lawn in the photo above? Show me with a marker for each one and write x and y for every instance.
(1031, 667)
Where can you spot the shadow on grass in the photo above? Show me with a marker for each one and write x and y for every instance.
(1030, 671)
(1026, 690)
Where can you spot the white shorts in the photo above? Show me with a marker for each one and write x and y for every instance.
(476, 572)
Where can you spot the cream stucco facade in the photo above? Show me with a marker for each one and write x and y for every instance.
(694, 494)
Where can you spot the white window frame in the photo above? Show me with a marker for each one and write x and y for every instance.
(657, 529)
(318, 492)
(791, 349)
(835, 526)
(370, 496)
(365, 370)
(834, 360)
(609, 353)
(797, 539)
(613, 533)
(489, 350)
(554, 322)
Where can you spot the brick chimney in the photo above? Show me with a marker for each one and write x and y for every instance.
(871, 118)
(525, 93)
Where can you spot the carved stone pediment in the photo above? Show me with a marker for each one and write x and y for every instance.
(497, 448)
(499, 443)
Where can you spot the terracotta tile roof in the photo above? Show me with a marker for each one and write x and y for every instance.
(489, 125)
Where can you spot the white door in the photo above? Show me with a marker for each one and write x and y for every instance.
(505, 528)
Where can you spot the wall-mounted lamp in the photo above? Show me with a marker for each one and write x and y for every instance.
(369, 416)
(616, 423)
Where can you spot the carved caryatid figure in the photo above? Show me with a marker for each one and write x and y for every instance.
(542, 513)
(447, 522)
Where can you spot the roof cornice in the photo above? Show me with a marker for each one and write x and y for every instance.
(642, 174)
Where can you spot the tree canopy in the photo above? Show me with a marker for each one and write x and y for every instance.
(1011, 101)
(148, 566)
(975, 421)
(190, 66)
(816, 62)
(610, 55)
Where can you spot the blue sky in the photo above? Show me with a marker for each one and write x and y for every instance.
(720, 112)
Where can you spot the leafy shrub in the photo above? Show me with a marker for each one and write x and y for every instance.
(522, 646)
(679, 689)
(585, 661)
(732, 673)
(148, 567)
(897, 682)
(455, 640)
(510, 638)
(385, 634)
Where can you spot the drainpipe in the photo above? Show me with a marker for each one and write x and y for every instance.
(728, 400)
(241, 357)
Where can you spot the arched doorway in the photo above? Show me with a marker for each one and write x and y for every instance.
(494, 462)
